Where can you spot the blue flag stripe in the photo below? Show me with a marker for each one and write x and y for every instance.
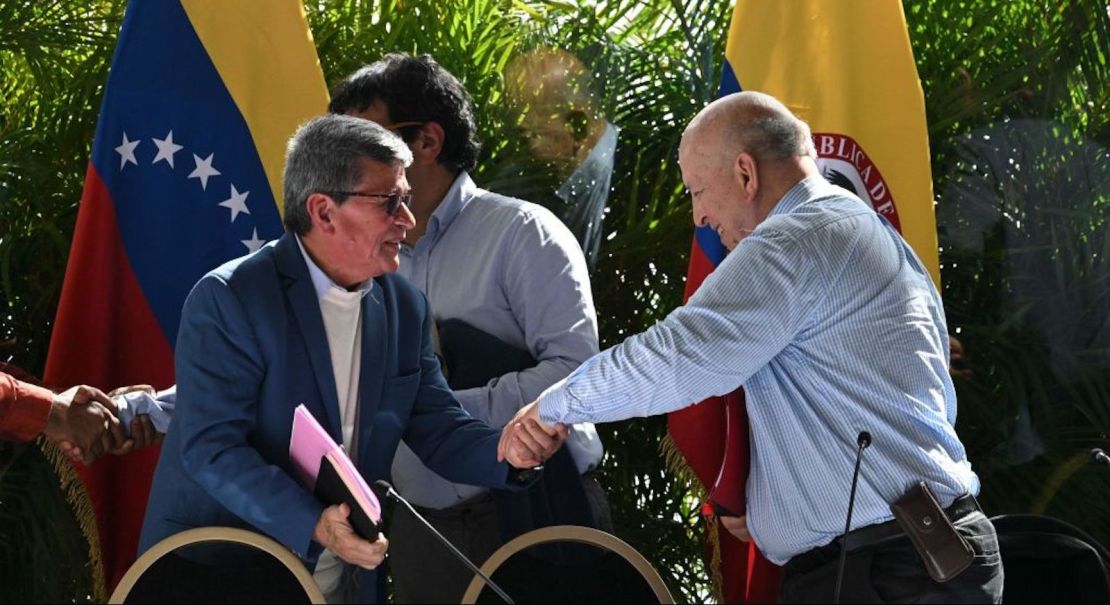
(173, 225)
(707, 239)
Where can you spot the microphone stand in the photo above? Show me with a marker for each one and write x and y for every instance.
(393, 495)
(862, 440)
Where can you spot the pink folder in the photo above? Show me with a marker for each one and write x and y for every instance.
(310, 443)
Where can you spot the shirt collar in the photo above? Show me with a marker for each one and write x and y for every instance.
(320, 280)
(454, 202)
(805, 189)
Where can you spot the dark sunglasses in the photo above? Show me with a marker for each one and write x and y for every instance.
(393, 201)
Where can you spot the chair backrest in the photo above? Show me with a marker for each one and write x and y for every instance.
(156, 577)
(618, 573)
(1045, 560)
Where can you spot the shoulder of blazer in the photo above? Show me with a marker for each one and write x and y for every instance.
(281, 258)
(255, 279)
(255, 270)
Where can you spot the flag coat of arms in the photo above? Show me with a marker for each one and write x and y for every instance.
(847, 69)
(185, 174)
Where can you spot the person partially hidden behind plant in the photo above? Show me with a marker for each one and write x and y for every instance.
(561, 114)
(81, 415)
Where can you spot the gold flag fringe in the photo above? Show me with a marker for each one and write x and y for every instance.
(79, 503)
(677, 465)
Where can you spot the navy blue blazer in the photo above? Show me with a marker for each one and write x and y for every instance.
(251, 347)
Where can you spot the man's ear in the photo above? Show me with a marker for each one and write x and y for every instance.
(428, 143)
(745, 173)
(320, 209)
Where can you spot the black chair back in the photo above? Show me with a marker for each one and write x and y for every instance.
(616, 573)
(1046, 560)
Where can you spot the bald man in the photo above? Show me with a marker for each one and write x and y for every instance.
(828, 319)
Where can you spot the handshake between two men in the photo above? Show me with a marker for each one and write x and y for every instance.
(89, 424)
(526, 442)
(83, 421)
(526, 432)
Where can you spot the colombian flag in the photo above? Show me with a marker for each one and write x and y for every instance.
(847, 69)
(185, 174)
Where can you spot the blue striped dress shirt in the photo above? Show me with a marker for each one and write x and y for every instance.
(832, 325)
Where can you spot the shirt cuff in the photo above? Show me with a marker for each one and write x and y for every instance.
(134, 404)
(554, 403)
(523, 477)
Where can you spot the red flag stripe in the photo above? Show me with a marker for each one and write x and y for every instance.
(106, 335)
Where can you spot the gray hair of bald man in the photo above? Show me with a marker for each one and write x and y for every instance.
(325, 155)
(770, 131)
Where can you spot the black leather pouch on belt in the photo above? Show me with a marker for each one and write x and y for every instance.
(942, 548)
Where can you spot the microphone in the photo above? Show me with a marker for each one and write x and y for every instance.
(863, 440)
(1100, 456)
(393, 495)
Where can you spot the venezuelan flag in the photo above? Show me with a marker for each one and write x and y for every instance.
(846, 68)
(185, 174)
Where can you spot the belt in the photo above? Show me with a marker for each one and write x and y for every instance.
(873, 535)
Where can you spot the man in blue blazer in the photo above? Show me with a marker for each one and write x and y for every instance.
(315, 318)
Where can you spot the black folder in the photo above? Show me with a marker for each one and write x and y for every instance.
(332, 489)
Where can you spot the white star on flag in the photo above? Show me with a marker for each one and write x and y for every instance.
(126, 152)
(253, 244)
(236, 203)
(166, 149)
(203, 170)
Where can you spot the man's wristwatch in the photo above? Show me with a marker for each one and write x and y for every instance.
(523, 476)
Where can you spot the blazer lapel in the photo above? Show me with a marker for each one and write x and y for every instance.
(372, 373)
(306, 309)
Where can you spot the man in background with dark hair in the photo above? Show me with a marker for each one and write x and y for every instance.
(509, 289)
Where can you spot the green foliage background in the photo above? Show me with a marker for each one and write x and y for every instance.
(1017, 96)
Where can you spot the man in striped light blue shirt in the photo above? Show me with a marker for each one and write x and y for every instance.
(832, 325)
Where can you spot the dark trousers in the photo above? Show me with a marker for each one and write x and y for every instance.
(892, 572)
(424, 570)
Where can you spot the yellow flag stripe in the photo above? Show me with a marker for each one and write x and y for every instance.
(265, 55)
(847, 67)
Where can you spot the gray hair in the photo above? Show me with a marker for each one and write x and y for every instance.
(755, 123)
(323, 156)
(777, 137)
(772, 131)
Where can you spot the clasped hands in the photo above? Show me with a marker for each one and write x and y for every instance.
(526, 441)
(83, 423)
